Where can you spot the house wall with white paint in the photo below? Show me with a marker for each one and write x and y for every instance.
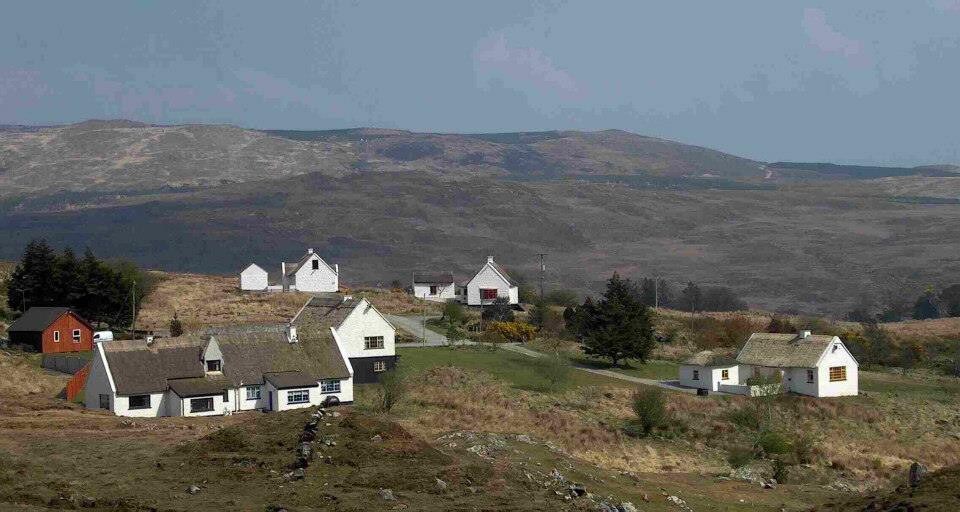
(253, 278)
(442, 292)
(365, 321)
(837, 355)
(489, 278)
(98, 382)
(316, 276)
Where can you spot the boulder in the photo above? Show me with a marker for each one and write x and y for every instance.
(387, 494)
(441, 485)
(193, 489)
(626, 506)
(299, 474)
(577, 490)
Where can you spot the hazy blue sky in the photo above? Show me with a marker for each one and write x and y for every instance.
(871, 81)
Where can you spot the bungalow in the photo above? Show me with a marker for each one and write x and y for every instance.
(309, 274)
(434, 286)
(491, 282)
(52, 330)
(366, 338)
(804, 363)
(269, 368)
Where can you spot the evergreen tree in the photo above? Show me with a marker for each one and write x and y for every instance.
(176, 326)
(32, 282)
(616, 328)
(691, 298)
(926, 306)
(950, 299)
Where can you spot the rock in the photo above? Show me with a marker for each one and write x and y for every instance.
(193, 489)
(917, 472)
(557, 476)
(304, 450)
(377, 438)
(626, 506)
(523, 438)
(335, 414)
(88, 502)
(386, 494)
(769, 484)
(299, 474)
(577, 490)
(676, 500)
(441, 485)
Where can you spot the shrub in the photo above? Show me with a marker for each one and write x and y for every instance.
(780, 470)
(803, 448)
(393, 387)
(747, 416)
(517, 332)
(499, 310)
(176, 326)
(739, 456)
(650, 407)
(453, 313)
(555, 369)
(771, 442)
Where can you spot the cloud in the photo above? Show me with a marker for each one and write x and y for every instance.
(830, 40)
(525, 68)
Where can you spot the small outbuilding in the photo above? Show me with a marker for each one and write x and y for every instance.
(52, 330)
(434, 286)
(708, 370)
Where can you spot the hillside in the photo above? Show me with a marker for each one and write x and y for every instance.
(383, 203)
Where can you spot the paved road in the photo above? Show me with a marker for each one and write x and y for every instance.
(414, 326)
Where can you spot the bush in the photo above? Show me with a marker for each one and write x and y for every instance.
(393, 387)
(499, 310)
(453, 313)
(803, 448)
(555, 369)
(748, 416)
(780, 470)
(771, 442)
(517, 332)
(650, 407)
(176, 327)
(739, 456)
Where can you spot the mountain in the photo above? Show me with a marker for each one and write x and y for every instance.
(383, 203)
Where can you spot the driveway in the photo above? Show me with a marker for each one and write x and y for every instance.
(413, 325)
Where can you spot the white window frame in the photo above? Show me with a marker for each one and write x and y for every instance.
(298, 396)
(56, 336)
(373, 343)
(219, 366)
(254, 393)
(197, 410)
(77, 335)
(379, 366)
(329, 387)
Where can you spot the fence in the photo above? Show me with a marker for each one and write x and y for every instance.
(64, 363)
(76, 383)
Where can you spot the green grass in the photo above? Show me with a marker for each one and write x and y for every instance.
(518, 370)
(942, 389)
(660, 370)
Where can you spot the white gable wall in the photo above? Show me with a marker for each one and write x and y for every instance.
(98, 382)
(490, 278)
(837, 355)
(323, 279)
(709, 378)
(253, 278)
(364, 321)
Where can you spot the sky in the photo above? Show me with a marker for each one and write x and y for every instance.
(868, 82)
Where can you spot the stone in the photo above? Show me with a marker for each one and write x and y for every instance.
(335, 414)
(441, 485)
(88, 502)
(555, 474)
(377, 438)
(676, 500)
(193, 489)
(769, 484)
(577, 490)
(299, 474)
(626, 506)
(304, 450)
(917, 472)
(386, 494)
(523, 438)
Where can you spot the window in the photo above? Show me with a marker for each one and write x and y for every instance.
(433, 289)
(201, 404)
(696, 375)
(372, 342)
(810, 376)
(76, 335)
(299, 396)
(724, 374)
(56, 336)
(253, 392)
(105, 401)
(226, 397)
(379, 366)
(488, 293)
(316, 264)
(329, 386)
(213, 365)
(138, 402)
(838, 373)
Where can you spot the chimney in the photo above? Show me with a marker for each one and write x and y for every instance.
(804, 334)
(292, 333)
(489, 259)
(336, 268)
(310, 250)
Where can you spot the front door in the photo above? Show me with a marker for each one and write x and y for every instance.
(270, 400)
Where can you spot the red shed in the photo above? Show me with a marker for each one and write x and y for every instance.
(51, 330)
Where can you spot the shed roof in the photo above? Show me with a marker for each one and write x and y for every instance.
(784, 350)
(433, 277)
(199, 386)
(710, 359)
(287, 380)
(38, 318)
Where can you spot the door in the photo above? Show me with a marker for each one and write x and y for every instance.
(270, 400)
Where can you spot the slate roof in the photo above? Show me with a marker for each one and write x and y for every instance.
(287, 380)
(433, 277)
(783, 350)
(323, 311)
(199, 386)
(138, 368)
(710, 359)
(503, 273)
(38, 318)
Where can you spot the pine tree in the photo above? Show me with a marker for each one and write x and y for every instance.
(176, 327)
(33, 280)
(618, 327)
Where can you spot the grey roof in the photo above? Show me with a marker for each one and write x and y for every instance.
(287, 380)
(710, 359)
(784, 350)
(138, 368)
(433, 277)
(503, 273)
(199, 386)
(324, 311)
(292, 268)
(38, 318)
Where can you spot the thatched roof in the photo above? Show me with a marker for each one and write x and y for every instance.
(710, 359)
(784, 350)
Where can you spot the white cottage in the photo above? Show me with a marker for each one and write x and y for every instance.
(258, 367)
(803, 363)
(366, 338)
(490, 283)
(309, 274)
(434, 286)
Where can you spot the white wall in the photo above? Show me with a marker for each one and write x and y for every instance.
(242, 404)
(364, 321)
(490, 278)
(253, 278)
(218, 406)
(710, 378)
(97, 382)
(839, 357)
(444, 292)
(158, 406)
(324, 279)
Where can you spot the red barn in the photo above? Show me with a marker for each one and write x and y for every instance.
(51, 330)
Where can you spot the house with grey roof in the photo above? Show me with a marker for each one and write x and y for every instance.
(489, 283)
(272, 368)
(803, 363)
(365, 336)
(434, 286)
(308, 274)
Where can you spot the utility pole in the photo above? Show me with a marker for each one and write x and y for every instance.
(542, 270)
(133, 306)
(423, 333)
(656, 292)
